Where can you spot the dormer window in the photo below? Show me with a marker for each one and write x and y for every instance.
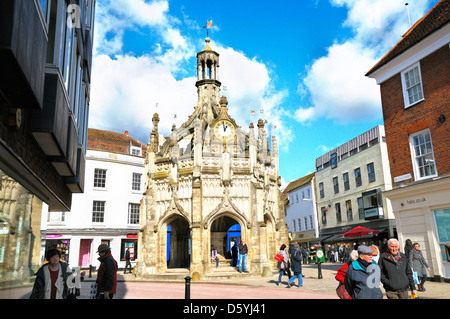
(135, 150)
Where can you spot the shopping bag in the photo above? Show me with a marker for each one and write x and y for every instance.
(279, 258)
(416, 278)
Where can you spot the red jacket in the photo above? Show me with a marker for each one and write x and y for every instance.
(341, 273)
(107, 274)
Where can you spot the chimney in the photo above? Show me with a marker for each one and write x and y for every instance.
(126, 133)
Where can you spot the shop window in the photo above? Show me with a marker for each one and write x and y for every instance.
(129, 244)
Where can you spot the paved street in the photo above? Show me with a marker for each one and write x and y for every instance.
(241, 288)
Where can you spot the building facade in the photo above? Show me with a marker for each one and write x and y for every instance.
(350, 181)
(45, 62)
(208, 177)
(300, 210)
(108, 212)
(414, 79)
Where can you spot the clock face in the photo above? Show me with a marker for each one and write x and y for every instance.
(224, 129)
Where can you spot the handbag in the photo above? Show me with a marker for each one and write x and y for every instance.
(342, 292)
(93, 293)
(416, 278)
(279, 258)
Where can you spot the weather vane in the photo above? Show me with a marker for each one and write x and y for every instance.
(208, 26)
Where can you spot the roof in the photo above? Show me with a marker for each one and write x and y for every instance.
(299, 182)
(114, 142)
(436, 18)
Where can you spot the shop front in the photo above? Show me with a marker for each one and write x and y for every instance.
(422, 213)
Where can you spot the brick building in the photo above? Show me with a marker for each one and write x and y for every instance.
(414, 79)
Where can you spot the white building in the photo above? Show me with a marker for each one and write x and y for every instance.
(300, 209)
(109, 210)
(350, 180)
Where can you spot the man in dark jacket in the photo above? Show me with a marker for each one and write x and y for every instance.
(362, 278)
(243, 251)
(107, 273)
(296, 266)
(396, 273)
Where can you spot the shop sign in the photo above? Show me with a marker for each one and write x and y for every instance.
(132, 236)
(52, 236)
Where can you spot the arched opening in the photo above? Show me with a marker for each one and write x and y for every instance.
(178, 243)
(225, 236)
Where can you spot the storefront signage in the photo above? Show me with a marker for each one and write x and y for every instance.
(132, 236)
(51, 236)
(374, 212)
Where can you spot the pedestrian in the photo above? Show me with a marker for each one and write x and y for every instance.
(362, 280)
(51, 278)
(383, 246)
(127, 260)
(214, 256)
(296, 266)
(234, 253)
(107, 273)
(340, 276)
(243, 251)
(396, 273)
(419, 265)
(408, 247)
(283, 266)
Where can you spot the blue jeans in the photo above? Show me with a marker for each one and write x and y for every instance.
(242, 260)
(300, 279)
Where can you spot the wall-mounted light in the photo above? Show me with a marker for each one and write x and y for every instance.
(442, 118)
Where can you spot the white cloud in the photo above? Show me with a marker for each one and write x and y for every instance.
(126, 88)
(336, 83)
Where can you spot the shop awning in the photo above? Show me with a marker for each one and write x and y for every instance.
(321, 238)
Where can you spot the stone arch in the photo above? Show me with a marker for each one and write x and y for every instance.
(176, 244)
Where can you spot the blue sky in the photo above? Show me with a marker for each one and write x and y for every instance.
(303, 62)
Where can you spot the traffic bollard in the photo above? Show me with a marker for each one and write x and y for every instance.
(187, 290)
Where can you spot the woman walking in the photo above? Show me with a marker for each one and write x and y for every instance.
(418, 265)
(283, 266)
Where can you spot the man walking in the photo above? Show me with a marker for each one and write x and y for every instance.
(243, 251)
(396, 273)
(127, 260)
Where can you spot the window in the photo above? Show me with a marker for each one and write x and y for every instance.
(336, 185)
(100, 178)
(412, 85)
(98, 212)
(306, 222)
(310, 222)
(296, 198)
(358, 180)
(134, 150)
(323, 210)
(321, 190)
(299, 224)
(133, 213)
(371, 172)
(346, 181)
(348, 206)
(422, 155)
(333, 160)
(338, 212)
(136, 182)
(295, 225)
(360, 208)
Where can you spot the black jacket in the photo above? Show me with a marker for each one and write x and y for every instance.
(243, 250)
(396, 274)
(38, 291)
(296, 261)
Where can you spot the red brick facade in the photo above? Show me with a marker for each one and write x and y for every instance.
(400, 122)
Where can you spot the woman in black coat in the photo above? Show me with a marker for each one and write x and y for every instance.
(296, 266)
